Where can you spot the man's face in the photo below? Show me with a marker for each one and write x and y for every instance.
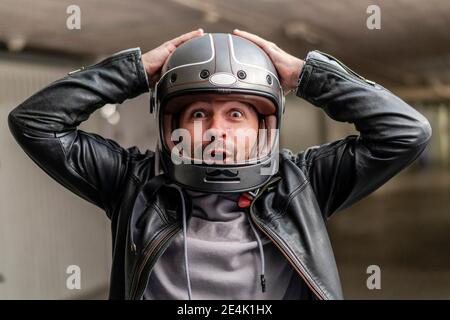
(226, 131)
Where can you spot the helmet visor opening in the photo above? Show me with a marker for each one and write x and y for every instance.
(200, 142)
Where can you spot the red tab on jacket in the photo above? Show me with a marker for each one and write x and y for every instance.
(245, 200)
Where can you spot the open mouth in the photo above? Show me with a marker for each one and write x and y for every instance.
(219, 155)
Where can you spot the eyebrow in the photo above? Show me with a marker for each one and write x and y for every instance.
(201, 105)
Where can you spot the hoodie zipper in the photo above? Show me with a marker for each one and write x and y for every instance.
(151, 252)
(297, 267)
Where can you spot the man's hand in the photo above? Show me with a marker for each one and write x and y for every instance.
(288, 66)
(155, 59)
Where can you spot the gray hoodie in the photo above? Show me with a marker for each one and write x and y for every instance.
(224, 257)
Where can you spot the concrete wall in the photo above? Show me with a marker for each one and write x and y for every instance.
(43, 228)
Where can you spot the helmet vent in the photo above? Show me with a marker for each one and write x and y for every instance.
(204, 74)
(241, 74)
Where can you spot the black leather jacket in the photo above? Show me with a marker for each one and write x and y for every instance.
(291, 210)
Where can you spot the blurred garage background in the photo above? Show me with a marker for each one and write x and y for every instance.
(404, 227)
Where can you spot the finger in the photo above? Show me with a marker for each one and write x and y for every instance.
(185, 37)
(252, 37)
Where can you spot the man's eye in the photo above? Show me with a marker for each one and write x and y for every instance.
(198, 114)
(236, 114)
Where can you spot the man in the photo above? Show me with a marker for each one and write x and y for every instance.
(205, 216)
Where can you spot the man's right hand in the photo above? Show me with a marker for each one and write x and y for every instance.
(288, 66)
(155, 59)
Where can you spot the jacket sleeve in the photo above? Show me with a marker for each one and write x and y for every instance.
(392, 134)
(45, 127)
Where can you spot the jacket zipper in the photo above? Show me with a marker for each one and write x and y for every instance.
(168, 233)
(152, 247)
(268, 233)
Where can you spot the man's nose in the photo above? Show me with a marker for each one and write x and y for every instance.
(218, 127)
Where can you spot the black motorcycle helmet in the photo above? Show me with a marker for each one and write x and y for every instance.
(218, 66)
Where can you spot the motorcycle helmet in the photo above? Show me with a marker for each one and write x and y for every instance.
(218, 66)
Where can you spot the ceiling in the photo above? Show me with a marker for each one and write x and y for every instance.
(411, 51)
